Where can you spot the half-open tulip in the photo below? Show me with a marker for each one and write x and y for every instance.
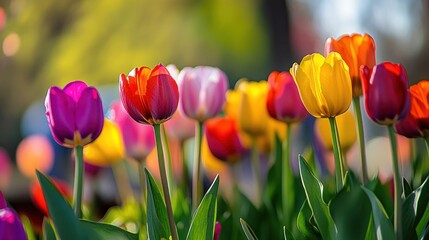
(202, 91)
(324, 84)
(150, 96)
(223, 140)
(138, 139)
(356, 50)
(108, 148)
(416, 123)
(10, 225)
(75, 114)
(386, 97)
(283, 101)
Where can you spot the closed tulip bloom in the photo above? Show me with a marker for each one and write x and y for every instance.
(345, 122)
(324, 84)
(386, 97)
(150, 96)
(10, 225)
(416, 123)
(223, 140)
(283, 101)
(138, 139)
(356, 50)
(75, 114)
(108, 148)
(202, 91)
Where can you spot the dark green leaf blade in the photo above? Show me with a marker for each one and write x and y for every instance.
(107, 231)
(157, 219)
(204, 220)
(48, 231)
(248, 230)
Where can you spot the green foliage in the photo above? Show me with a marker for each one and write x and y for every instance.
(248, 230)
(204, 219)
(48, 231)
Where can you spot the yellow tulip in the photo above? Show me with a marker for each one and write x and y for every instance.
(108, 148)
(346, 128)
(324, 84)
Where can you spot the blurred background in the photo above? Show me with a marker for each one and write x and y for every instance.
(51, 42)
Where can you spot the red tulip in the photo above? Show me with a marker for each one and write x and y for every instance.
(223, 140)
(150, 96)
(75, 114)
(386, 97)
(283, 100)
(416, 124)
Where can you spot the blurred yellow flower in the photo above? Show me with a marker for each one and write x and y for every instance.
(108, 148)
(346, 127)
(324, 84)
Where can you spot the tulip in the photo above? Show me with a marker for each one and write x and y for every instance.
(223, 140)
(75, 114)
(387, 101)
(11, 227)
(138, 138)
(325, 88)
(150, 96)
(202, 92)
(323, 84)
(345, 122)
(386, 98)
(356, 50)
(34, 152)
(283, 101)
(108, 148)
(5, 169)
(218, 229)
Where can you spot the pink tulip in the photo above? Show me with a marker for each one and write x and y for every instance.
(202, 90)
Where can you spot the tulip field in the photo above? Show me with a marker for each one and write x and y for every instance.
(213, 162)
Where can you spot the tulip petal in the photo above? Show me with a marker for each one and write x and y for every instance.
(214, 88)
(130, 97)
(190, 88)
(74, 89)
(89, 115)
(60, 111)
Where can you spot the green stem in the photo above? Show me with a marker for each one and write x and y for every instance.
(122, 181)
(256, 171)
(164, 182)
(78, 182)
(197, 181)
(337, 153)
(142, 179)
(287, 180)
(427, 144)
(361, 138)
(397, 183)
(185, 173)
(170, 176)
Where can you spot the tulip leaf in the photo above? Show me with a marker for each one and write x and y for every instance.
(313, 189)
(48, 231)
(343, 205)
(407, 188)
(107, 231)
(382, 226)
(408, 217)
(65, 222)
(157, 220)
(305, 222)
(204, 219)
(287, 235)
(420, 206)
(250, 234)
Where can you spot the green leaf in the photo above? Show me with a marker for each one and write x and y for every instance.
(28, 227)
(204, 220)
(305, 222)
(107, 231)
(343, 205)
(48, 231)
(157, 219)
(314, 192)
(248, 230)
(182, 212)
(287, 235)
(65, 222)
(382, 226)
(407, 188)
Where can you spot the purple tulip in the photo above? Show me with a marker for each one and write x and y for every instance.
(75, 114)
(139, 139)
(10, 225)
(202, 91)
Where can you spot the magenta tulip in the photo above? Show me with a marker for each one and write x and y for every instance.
(283, 100)
(10, 225)
(75, 114)
(387, 100)
(138, 138)
(202, 91)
